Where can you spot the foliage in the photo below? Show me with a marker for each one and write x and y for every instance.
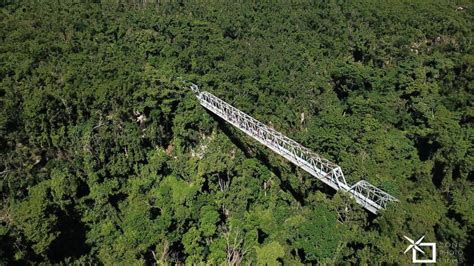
(106, 158)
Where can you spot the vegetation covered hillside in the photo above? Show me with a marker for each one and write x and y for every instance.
(106, 157)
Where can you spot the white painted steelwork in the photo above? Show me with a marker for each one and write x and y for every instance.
(367, 195)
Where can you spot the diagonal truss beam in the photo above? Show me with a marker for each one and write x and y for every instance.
(370, 197)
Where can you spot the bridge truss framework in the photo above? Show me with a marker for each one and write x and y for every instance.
(370, 197)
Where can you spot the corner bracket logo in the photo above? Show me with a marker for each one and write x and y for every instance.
(416, 247)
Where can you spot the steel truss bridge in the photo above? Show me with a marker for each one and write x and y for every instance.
(370, 197)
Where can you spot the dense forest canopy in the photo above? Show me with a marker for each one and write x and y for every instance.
(106, 157)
